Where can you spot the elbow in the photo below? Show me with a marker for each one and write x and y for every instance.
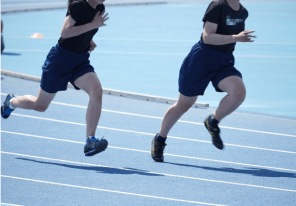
(205, 38)
(64, 35)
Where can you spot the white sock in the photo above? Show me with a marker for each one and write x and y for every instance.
(10, 105)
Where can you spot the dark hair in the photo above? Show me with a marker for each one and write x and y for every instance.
(69, 2)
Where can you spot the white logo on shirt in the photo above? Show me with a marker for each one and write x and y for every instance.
(232, 22)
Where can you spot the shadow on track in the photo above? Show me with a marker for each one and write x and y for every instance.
(249, 171)
(107, 170)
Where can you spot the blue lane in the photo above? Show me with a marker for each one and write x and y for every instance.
(143, 47)
(137, 180)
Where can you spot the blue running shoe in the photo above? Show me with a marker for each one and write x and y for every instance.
(5, 110)
(94, 146)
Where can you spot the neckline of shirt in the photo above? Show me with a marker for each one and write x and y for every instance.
(240, 6)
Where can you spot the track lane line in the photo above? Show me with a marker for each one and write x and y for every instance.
(154, 53)
(148, 40)
(151, 134)
(182, 121)
(155, 173)
(143, 151)
(5, 204)
(110, 191)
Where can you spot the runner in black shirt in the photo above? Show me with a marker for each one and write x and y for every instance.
(210, 60)
(67, 62)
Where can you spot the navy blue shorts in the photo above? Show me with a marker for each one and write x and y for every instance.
(202, 65)
(62, 66)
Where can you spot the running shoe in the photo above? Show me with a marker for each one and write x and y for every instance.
(215, 133)
(157, 149)
(5, 110)
(94, 146)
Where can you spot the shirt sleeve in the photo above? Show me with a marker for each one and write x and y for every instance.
(100, 8)
(213, 13)
(77, 11)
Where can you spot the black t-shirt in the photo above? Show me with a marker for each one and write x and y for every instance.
(229, 21)
(82, 13)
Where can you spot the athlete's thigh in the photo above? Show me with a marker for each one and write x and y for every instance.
(44, 98)
(88, 82)
(231, 84)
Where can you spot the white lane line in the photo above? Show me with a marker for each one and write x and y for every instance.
(143, 151)
(111, 191)
(139, 115)
(150, 40)
(127, 113)
(152, 54)
(150, 134)
(155, 173)
(182, 121)
(4, 204)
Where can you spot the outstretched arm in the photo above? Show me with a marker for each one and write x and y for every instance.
(209, 36)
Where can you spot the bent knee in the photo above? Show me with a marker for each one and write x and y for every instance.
(239, 95)
(96, 92)
(41, 108)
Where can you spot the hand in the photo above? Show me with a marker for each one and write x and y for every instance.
(92, 46)
(99, 19)
(244, 36)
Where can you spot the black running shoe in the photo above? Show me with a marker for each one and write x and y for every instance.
(94, 146)
(5, 110)
(1, 44)
(215, 133)
(157, 149)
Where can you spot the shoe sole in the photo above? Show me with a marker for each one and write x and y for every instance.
(101, 147)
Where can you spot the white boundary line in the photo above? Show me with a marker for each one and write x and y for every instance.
(154, 54)
(150, 134)
(113, 92)
(155, 173)
(58, 5)
(143, 151)
(127, 113)
(9, 204)
(182, 121)
(151, 40)
(232, 128)
(111, 191)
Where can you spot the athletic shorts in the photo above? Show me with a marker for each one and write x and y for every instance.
(202, 66)
(62, 66)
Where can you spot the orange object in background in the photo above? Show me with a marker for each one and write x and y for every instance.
(37, 36)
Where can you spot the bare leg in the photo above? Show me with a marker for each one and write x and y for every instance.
(39, 103)
(175, 112)
(236, 94)
(90, 83)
